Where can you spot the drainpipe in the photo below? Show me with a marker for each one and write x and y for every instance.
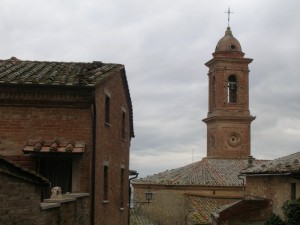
(135, 174)
(93, 161)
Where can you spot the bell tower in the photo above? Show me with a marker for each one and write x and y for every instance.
(228, 119)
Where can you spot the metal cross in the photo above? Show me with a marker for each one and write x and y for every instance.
(228, 13)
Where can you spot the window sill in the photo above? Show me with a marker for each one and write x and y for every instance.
(105, 201)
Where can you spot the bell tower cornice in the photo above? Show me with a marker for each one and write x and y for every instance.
(240, 61)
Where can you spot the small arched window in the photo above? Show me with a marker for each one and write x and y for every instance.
(232, 89)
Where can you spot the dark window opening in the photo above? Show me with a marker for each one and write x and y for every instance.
(122, 188)
(232, 89)
(213, 91)
(105, 183)
(123, 125)
(58, 172)
(293, 191)
(107, 109)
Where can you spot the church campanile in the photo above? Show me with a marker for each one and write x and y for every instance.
(228, 119)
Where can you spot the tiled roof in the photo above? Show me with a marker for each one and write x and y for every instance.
(137, 218)
(245, 208)
(13, 169)
(203, 207)
(63, 74)
(207, 172)
(54, 146)
(16, 71)
(286, 164)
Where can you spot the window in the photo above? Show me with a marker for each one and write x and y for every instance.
(122, 179)
(293, 191)
(107, 109)
(232, 89)
(123, 125)
(213, 92)
(59, 173)
(105, 183)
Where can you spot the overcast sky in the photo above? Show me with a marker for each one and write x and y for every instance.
(164, 45)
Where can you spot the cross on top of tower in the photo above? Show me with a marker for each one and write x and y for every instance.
(228, 14)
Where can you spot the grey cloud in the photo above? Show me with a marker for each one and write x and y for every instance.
(164, 45)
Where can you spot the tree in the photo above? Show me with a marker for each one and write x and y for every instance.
(291, 209)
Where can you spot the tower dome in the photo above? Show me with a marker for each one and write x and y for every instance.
(228, 43)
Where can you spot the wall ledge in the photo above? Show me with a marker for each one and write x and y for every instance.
(45, 206)
(50, 203)
(77, 195)
(62, 199)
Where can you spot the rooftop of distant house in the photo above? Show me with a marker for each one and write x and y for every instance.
(15, 71)
(286, 164)
(207, 172)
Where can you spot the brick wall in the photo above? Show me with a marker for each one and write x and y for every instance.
(113, 151)
(18, 124)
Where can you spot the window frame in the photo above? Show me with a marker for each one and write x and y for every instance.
(105, 182)
(107, 109)
(122, 188)
(123, 129)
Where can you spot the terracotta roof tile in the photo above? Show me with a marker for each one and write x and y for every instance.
(203, 207)
(53, 146)
(286, 164)
(136, 218)
(54, 73)
(207, 172)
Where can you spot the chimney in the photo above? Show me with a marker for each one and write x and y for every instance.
(250, 161)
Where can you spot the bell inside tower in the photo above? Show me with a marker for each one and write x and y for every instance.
(232, 89)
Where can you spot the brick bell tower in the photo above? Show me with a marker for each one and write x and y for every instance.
(228, 119)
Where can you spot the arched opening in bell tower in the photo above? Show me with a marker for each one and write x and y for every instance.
(232, 89)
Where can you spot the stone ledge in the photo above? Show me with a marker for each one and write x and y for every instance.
(56, 202)
(62, 199)
(77, 195)
(45, 206)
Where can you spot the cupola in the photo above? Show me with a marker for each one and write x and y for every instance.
(228, 43)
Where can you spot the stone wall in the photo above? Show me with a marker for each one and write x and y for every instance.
(13, 208)
(276, 188)
(169, 206)
(21, 205)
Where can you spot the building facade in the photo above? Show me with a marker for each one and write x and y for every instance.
(71, 123)
(268, 187)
